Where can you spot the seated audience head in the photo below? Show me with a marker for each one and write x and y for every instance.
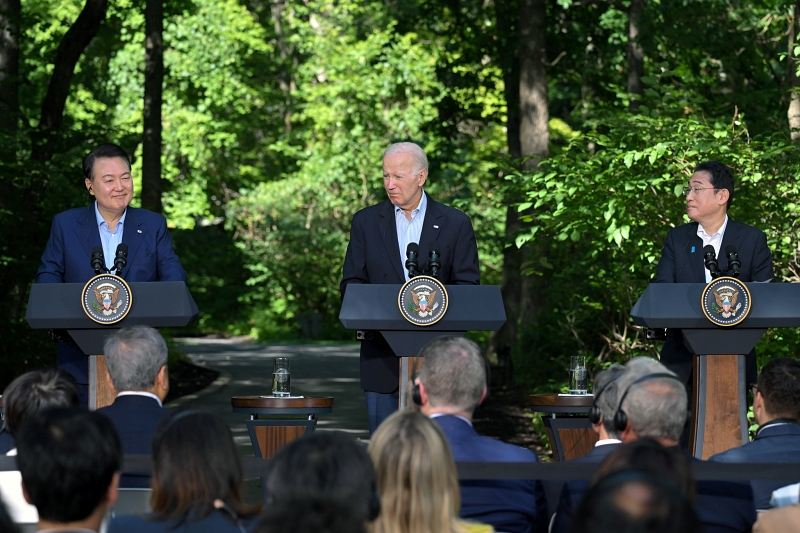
(416, 473)
(648, 455)
(69, 460)
(452, 379)
(136, 358)
(327, 473)
(777, 394)
(35, 391)
(196, 468)
(652, 403)
(606, 401)
(635, 501)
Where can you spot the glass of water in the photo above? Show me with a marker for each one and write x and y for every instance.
(281, 378)
(578, 376)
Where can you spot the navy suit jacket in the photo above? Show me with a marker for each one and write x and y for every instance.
(135, 418)
(373, 256)
(512, 505)
(572, 492)
(772, 444)
(682, 262)
(216, 522)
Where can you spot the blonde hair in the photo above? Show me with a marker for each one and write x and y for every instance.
(416, 475)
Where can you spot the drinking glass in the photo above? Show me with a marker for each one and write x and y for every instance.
(281, 378)
(578, 377)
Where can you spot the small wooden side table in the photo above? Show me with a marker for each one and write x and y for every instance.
(275, 422)
(571, 435)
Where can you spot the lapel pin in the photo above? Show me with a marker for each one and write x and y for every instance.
(692, 249)
(139, 231)
(435, 226)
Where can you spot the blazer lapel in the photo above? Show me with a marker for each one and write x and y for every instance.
(694, 252)
(132, 235)
(388, 229)
(87, 232)
(430, 231)
(732, 237)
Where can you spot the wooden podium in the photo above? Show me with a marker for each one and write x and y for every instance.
(58, 306)
(719, 412)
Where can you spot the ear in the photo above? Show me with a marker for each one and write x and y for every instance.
(722, 196)
(596, 427)
(109, 380)
(88, 183)
(423, 393)
(627, 435)
(483, 395)
(25, 493)
(423, 175)
(162, 379)
(113, 490)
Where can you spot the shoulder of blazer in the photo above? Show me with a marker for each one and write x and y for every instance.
(437, 209)
(373, 211)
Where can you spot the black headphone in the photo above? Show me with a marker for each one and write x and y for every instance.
(595, 415)
(621, 417)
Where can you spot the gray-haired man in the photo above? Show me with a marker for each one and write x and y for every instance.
(137, 365)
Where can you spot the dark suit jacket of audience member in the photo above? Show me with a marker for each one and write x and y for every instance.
(216, 522)
(773, 444)
(573, 491)
(7, 442)
(511, 506)
(135, 418)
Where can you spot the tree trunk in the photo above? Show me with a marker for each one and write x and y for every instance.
(794, 79)
(286, 76)
(9, 68)
(635, 55)
(153, 96)
(534, 130)
(69, 52)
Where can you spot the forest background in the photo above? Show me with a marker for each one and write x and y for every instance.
(565, 129)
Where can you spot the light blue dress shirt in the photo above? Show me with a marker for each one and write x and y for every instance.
(409, 231)
(110, 240)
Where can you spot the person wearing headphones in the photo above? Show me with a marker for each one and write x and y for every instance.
(450, 386)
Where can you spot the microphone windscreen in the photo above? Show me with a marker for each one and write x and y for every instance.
(730, 249)
(708, 249)
(412, 247)
(122, 248)
(97, 251)
(434, 247)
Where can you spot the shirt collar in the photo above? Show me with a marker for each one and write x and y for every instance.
(423, 204)
(437, 415)
(603, 442)
(101, 222)
(140, 393)
(721, 231)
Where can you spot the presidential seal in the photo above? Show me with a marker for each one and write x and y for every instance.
(423, 300)
(107, 299)
(726, 301)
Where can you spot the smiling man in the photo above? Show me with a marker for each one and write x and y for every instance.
(708, 198)
(106, 223)
(379, 236)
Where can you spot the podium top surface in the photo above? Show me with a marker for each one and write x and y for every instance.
(271, 405)
(678, 305)
(375, 307)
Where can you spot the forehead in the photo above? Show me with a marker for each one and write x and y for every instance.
(700, 178)
(398, 161)
(110, 166)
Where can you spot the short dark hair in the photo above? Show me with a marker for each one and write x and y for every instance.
(310, 516)
(721, 177)
(67, 458)
(37, 390)
(779, 385)
(103, 151)
(195, 462)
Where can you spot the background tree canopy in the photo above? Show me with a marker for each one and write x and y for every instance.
(565, 129)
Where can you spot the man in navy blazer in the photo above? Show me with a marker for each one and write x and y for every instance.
(379, 237)
(776, 406)
(450, 385)
(108, 222)
(136, 358)
(708, 198)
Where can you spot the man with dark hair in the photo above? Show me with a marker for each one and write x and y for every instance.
(136, 359)
(776, 407)
(70, 461)
(107, 223)
(708, 198)
(450, 386)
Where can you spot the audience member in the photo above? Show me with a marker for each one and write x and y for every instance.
(136, 358)
(601, 417)
(451, 385)
(634, 501)
(329, 476)
(24, 397)
(417, 479)
(308, 517)
(776, 406)
(70, 462)
(197, 479)
(653, 405)
(783, 520)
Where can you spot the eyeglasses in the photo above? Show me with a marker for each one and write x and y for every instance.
(696, 190)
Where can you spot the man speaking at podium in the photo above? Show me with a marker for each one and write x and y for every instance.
(109, 222)
(379, 239)
(708, 198)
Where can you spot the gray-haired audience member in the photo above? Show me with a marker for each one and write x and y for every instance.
(69, 460)
(136, 358)
(776, 407)
(451, 384)
(606, 400)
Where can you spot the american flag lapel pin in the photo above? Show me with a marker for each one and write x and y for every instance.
(435, 226)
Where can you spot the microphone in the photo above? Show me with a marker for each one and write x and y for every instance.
(98, 261)
(733, 260)
(121, 258)
(710, 258)
(433, 258)
(412, 251)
